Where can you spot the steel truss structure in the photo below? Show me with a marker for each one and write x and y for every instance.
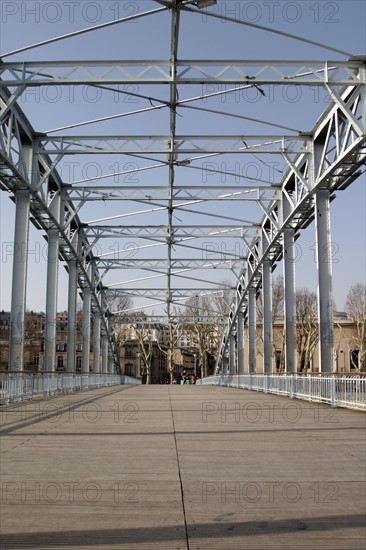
(183, 234)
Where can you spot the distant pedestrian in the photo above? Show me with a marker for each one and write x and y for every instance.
(194, 379)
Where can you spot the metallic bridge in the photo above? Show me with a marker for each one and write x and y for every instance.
(174, 200)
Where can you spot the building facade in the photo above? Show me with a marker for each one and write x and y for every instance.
(186, 356)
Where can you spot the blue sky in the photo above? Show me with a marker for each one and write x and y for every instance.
(338, 24)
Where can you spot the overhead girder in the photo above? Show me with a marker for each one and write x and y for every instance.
(187, 193)
(162, 263)
(248, 72)
(161, 293)
(183, 144)
(177, 232)
(139, 318)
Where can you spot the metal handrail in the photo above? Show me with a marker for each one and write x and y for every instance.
(20, 386)
(337, 390)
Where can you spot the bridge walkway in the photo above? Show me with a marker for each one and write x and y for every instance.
(181, 467)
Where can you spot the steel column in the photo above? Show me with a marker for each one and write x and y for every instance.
(240, 342)
(51, 293)
(225, 364)
(71, 316)
(325, 294)
(290, 299)
(96, 342)
(267, 317)
(85, 359)
(252, 330)
(232, 354)
(19, 281)
(105, 354)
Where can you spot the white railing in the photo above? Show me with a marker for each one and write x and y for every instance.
(19, 386)
(335, 390)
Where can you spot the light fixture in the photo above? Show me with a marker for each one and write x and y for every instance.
(205, 3)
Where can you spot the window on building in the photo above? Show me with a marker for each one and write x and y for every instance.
(36, 359)
(60, 362)
(61, 346)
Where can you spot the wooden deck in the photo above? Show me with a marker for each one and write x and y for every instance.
(181, 467)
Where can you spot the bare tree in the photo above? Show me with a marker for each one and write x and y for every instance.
(202, 329)
(307, 329)
(277, 301)
(120, 304)
(222, 300)
(118, 307)
(32, 329)
(356, 310)
(175, 333)
(33, 335)
(142, 332)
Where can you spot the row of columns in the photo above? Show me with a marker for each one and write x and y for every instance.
(233, 361)
(102, 361)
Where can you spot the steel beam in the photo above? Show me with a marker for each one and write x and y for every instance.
(178, 232)
(184, 144)
(197, 71)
